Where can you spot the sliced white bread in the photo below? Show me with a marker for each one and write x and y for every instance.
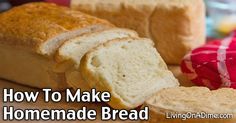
(130, 69)
(72, 51)
(194, 100)
(75, 48)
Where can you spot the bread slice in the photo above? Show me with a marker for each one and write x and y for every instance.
(172, 24)
(30, 34)
(74, 49)
(130, 69)
(194, 100)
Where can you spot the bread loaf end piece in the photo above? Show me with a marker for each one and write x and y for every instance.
(192, 99)
(130, 69)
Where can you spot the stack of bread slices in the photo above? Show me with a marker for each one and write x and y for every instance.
(47, 46)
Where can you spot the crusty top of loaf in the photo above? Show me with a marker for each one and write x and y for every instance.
(144, 5)
(194, 99)
(30, 25)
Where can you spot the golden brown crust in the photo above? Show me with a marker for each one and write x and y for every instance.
(32, 24)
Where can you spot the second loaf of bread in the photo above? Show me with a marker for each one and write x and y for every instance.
(176, 26)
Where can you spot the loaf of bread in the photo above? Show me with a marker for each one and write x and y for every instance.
(181, 100)
(41, 45)
(176, 26)
(29, 37)
(130, 69)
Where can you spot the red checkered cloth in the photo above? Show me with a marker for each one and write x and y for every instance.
(212, 65)
(60, 2)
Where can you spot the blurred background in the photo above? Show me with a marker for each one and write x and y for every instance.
(221, 14)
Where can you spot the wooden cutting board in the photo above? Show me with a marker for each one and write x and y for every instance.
(40, 104)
